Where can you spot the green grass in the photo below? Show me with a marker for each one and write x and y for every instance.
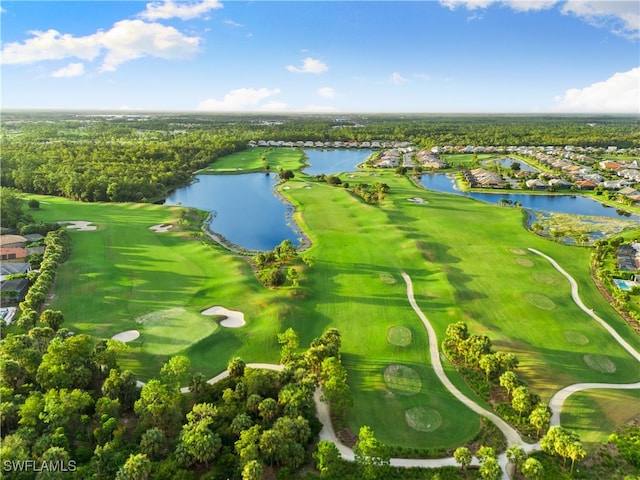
(256, 159)
(468, 261)
(595, 414)
(123, 272)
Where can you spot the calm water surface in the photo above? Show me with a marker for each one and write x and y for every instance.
(578, 205)
(244, 208)
(329, 162)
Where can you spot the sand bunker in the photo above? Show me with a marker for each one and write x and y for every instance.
(163, 227)
(517, 251)
(127, 336)
(234, 319)
(417, 200)
(79, 225)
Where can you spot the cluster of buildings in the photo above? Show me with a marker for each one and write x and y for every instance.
(374, 144)
(408, 157)
(14, 253)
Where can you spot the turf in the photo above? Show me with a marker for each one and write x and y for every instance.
(594, 414)
(256, 159)
(460, 253)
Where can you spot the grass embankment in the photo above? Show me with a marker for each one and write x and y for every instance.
(256, 160)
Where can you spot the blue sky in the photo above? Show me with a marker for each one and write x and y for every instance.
(476, 56)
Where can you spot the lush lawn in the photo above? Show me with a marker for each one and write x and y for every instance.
(124, 276)
(468, 261)
(594, 414)
(256, 159)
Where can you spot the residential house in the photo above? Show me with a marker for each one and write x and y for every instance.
(13, 291)
(13, 268)
(586, 184)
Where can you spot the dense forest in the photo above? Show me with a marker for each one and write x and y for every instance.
(142, 157)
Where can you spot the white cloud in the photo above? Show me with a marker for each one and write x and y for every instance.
(398, 79)
(618, 94)
(621, 17)
(126, 40)
(50, 45)
(242, 99)
(327, 92)
(233, 24)
(309, 65)
(131, 39)
(181, 10)
(71, 70)
(468, 4)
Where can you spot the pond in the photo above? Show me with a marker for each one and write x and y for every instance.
(507, 162)
(244, 208)
(330, 162)
(572, 204)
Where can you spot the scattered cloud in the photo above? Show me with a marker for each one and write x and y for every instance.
(309, 65)
(327, 92)
(182, 10)
(468, 4)
(132, 39)
(71, 70)
(621, 17)
(233, 24)
(243, 99)
(398, 79)
(126, 40)
(618, 94)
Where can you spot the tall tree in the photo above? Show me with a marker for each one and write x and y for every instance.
(137, 467)
(327, 457)
(532, 469)
(462, 455)
(540, 417)
(371, 454)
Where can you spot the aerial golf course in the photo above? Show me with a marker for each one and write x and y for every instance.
(468, 261)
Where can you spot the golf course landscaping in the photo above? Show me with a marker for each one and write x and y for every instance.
(469, 262)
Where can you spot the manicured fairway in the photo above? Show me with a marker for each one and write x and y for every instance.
(468, 262)
(594, 414)
(256, 159)
(124, 276)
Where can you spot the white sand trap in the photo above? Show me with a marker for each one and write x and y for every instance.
(128, 336)
(417, 200)
(79, 225)
(234, 319)
(163, 227)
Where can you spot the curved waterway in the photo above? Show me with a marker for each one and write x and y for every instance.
(572, 204)
(244, 208)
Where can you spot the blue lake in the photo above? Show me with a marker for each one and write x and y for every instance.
(576, 205)
(330, 162)
(244, 208)
(507, 162)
